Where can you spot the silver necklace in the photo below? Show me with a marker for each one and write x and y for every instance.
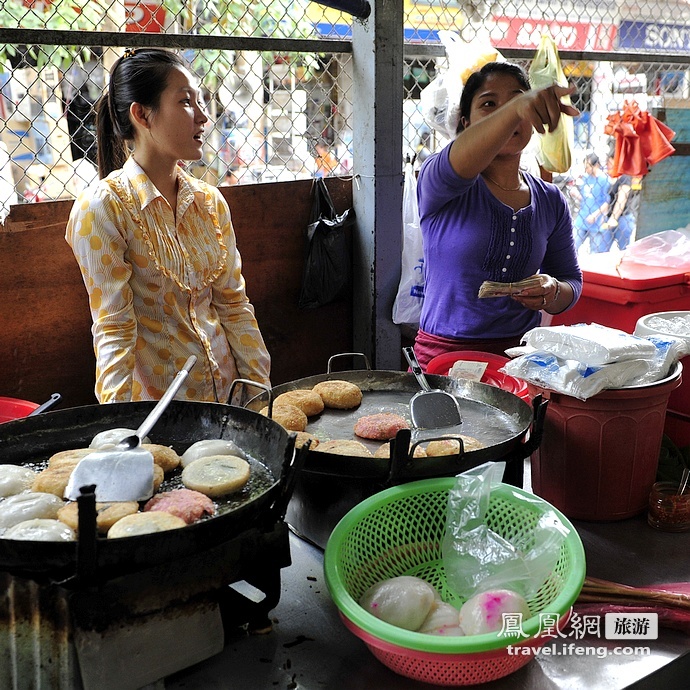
(506, 189)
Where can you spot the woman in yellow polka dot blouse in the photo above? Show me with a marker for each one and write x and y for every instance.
(156, 247)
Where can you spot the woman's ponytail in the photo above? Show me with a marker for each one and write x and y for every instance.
(112, 149)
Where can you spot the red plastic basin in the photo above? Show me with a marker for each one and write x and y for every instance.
(441, 364)
(14, 408)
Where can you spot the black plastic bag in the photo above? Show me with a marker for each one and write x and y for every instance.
(327, 264)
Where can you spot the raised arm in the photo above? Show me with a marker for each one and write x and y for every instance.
(477, 145)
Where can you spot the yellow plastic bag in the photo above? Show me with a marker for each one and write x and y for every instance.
(555, 147)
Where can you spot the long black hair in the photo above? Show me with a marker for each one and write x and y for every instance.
(477, 79)
(139, 76)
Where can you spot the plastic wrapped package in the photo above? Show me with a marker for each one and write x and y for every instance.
(590, 344)
(574, 378)
(668, 351)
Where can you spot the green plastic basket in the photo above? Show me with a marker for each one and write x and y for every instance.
(400, 531)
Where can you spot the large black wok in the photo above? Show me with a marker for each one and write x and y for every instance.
(495, 417)
(329, 485)
(34, 439)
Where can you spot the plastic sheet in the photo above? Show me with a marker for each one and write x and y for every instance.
(670, 248)
(477, 559)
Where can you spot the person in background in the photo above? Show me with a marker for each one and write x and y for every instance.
(326, 162)
(156, 247)
(80, 122)
(593, 196)
(623, 204)
(483, 218)
(423, 147)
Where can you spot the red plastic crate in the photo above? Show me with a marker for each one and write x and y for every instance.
(617, 296)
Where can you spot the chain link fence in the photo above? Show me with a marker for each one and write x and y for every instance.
(277, 77)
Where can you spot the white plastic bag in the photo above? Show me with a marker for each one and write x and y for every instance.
(408, 302)
(440, 100)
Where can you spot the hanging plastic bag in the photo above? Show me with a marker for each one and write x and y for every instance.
(555, 152)
(440, 100)
(408, 302)
(327, 264)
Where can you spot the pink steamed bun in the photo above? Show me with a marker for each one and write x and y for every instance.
(483, 613)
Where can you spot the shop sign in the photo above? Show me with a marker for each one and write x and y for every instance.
(144, 17)
(518, 32)
(656, 36)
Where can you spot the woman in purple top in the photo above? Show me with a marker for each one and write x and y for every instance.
(482, 218)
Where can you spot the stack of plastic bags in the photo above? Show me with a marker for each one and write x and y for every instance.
(584, 359)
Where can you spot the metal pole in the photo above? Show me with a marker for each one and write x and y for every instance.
(378, 182)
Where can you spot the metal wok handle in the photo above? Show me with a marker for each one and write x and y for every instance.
(292, 466)
(514, 473)
(249, 382)
(411, 357)
(331, 359)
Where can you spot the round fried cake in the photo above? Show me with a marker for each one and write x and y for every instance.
(310, 402)
(380, 427)
(344, 447)
(288, 416)
(340, 395)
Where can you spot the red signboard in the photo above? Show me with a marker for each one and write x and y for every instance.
(519, 32)
(146, 17)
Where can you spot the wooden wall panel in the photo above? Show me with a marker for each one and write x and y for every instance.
(46, 346)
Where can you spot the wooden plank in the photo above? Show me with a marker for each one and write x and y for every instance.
(46, 344)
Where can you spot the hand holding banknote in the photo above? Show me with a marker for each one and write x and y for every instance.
(535, 292)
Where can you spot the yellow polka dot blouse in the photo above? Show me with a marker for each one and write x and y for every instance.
(163, 287)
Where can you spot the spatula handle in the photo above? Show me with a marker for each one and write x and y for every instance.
(169, 394)
(416, 369)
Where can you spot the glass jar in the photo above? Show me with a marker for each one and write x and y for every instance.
(668, 510)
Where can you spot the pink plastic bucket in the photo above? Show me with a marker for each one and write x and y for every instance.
(598, 458)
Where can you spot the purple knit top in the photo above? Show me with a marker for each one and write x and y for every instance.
(470, 236)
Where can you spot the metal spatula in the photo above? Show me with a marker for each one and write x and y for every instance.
(431, 408)
(125, 471)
